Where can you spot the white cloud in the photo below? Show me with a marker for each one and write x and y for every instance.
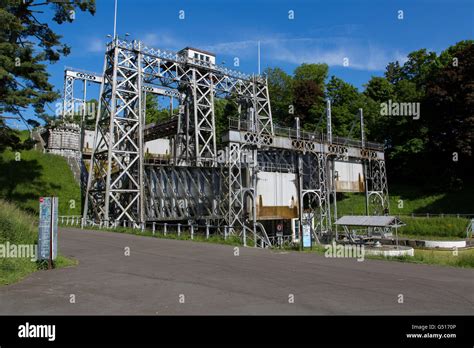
(362, 55)
(96, 45)
(165, 41)
(161, 40)
(332, 51)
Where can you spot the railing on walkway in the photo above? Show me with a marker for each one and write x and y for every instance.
(70, 220)
(179, 229)
(247, 126)
(434, 215)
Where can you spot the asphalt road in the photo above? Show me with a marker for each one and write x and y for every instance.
(159, 275)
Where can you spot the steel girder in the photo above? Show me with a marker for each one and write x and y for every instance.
(115, 184)
(232, 207)
(377, 193)
(204, 120)
(203, 81)
(239, 194)
(263, 112)
(315, 189)
(68, 98)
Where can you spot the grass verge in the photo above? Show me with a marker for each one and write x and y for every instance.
(20, 227)
(410, 199)
(443, 227)
(28, 175)
(185, 235)
(464, 258)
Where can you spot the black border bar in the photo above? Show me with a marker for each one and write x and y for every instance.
(218, 330)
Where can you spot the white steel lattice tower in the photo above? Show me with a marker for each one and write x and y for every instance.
(68, 99)
(115, 184)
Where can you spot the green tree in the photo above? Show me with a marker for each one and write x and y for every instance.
(345, 103)
(422, 150)
(308, 93)
(449, 112)
(393, 72)
(281, 95)
(223, 110)
(26, 45)
(156, 113)
(419, 67)
(379, 89)
(313, 72)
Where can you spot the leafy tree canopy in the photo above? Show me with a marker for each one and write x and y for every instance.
(26, 45)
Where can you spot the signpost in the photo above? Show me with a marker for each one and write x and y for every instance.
(307, 235)
(48, 230)
(279, 233)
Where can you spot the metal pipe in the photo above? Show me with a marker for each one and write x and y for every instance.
(328, 121)
(115, 20)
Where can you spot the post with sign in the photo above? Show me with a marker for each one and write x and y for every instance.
(48, 230)
(279, 233)
(307, 235)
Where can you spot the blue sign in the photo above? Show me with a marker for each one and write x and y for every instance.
(306, 235)
(48, 227)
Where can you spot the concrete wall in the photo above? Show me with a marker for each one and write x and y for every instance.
(158, 147)
(277, 196)
(153, 147)
(88, 140)
(350, 177)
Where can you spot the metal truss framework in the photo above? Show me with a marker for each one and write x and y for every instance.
(115, 187)
(377, 192)
(68, 99)
(72, 75)
(315, 189)
(197, 186)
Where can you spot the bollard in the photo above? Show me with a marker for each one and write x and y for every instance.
(153, 228)
(192, 231)
(179, 230)
(207, 231)
(165, 229)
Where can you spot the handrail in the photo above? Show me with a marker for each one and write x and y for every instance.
(247, 126)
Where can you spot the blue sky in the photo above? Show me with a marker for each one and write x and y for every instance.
(368, 33)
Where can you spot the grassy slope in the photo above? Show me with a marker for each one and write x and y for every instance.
(415, 201)
(441, 227)
(464, 258)
(22, 183)
(19, 227)
(408, 200)
(37, 174)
